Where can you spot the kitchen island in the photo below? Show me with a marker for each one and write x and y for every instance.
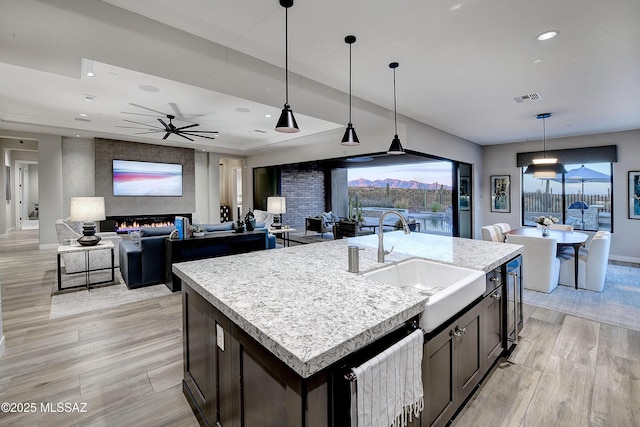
(268, 334)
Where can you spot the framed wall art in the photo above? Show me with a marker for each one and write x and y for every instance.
(464, 194)
(501, 193)
(634, 194)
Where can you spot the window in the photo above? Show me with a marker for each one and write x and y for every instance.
(581, 197)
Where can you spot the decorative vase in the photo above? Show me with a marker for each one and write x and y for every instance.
(545, 230)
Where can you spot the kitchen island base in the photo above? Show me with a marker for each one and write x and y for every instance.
(232, 380)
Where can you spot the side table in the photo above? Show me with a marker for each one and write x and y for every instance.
(283, 234)
(63, 249)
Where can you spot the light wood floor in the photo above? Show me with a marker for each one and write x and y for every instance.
(125, 363)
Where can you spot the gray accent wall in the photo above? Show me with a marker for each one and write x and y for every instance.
(106, 150)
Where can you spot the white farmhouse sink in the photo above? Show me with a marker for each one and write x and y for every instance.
(450, 288)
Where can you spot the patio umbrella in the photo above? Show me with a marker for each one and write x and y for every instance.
(582, 175)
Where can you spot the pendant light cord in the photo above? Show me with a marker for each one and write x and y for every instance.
(544, 139)
(350, 82)
(286, 54)
(395, 110)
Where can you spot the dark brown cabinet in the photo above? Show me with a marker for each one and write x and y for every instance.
(493, 319)
(452, 367)
(231, 380)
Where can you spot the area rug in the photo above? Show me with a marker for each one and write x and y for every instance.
(618, 304)
(100, 297)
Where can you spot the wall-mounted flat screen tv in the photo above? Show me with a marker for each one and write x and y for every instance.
(131, 178)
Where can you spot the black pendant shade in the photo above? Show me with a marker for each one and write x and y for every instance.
(286, 122)
(350, 137)
(546, 167)
(396, 146)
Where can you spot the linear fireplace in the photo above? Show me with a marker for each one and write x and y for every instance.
(127, 223)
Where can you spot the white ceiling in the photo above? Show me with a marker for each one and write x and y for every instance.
(461, 65)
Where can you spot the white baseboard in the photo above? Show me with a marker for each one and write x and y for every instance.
(1, 345)
(635, 260)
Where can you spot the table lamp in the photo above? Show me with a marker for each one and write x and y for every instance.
(276, 206)
(88, 210)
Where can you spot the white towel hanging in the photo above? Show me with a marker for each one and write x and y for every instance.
(388, 389)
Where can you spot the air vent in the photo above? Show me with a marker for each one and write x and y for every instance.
(80, 119)
(526, 98)
(259, 131)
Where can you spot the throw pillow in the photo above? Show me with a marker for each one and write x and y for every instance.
(260, 216)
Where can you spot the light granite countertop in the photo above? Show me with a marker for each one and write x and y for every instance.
(303, 305)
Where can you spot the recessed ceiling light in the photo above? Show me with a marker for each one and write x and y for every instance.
(455, 7)
(148, 88)
(537, 61)
(547, 35)
(90, 74)
(242, 110)
(268, 116)
(83, 115)
(77, 136)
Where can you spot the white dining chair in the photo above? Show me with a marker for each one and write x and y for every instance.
(592, 266)
(504, 228)
(491, 233)
(540, 265)
(562, 227)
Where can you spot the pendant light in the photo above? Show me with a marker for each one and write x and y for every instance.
(545, 167)
(396, 146)
(350, 137)
(286, 122)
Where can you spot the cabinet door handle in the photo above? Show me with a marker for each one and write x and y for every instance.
(494, 279)
(458, 331)
(496, 296)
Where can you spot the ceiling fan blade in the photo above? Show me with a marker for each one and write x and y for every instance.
(143, 133)
(187, 126)
(138, 114)
(166, 126)
(203, 131)
(132, 127)
(180, 134)
(143, 124)
(199, 136)
(175, 109)
(179, 114)
(166, 135)
(147, 108)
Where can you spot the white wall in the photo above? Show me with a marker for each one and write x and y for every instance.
(501, 160)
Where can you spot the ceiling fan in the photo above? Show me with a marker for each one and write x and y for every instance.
(168, 128)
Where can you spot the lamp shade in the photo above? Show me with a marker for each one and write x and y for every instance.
(545, 170)
(350, 137)
(396, 146)
(87, 209)
(287, 123)
(276, 205)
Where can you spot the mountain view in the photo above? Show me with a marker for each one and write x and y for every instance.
(396, 183)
